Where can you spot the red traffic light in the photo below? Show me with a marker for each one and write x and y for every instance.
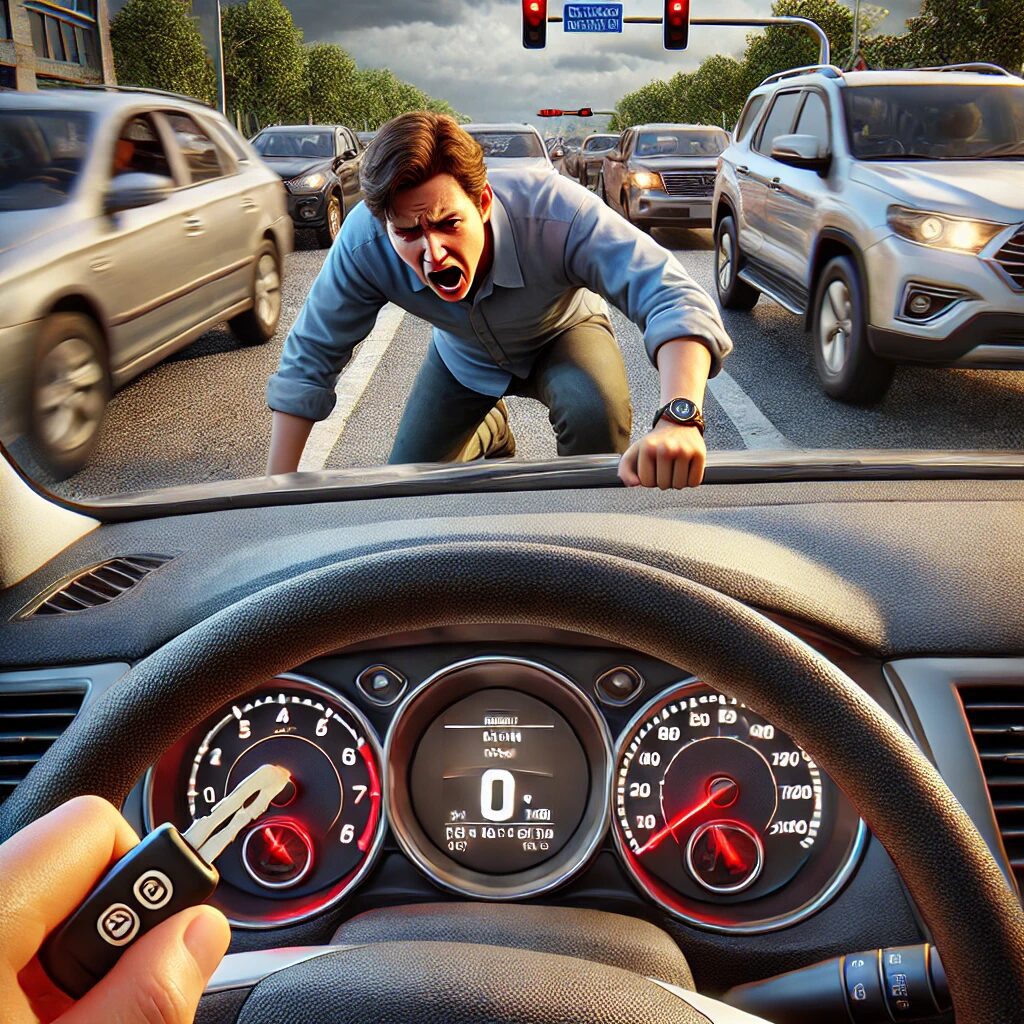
(549, 112)
(535, 24)
(676, 24)
(584, 112)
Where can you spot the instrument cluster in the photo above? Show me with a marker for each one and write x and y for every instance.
(500, 778)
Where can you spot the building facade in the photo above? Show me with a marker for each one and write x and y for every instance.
(54, 42)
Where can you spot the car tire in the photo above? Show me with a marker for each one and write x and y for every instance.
(257, 325)
(733, 291)
(333, 217)
(70, 390)
(847, 367)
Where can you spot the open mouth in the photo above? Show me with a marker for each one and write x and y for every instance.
(449, 279)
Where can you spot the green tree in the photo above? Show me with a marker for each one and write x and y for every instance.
(264, 64)
(331, 84)
(715, 93)
(652, 102)
(156, 45)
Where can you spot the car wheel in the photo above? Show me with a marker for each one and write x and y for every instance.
(848, 369)
(70, 388)
(733, 292)
(332, 222)
(257, 325)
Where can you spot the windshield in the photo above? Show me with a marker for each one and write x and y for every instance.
(672, 143)
(41, 156)
(203, 311)
(509, 144)
(314, 144)
(935, 122)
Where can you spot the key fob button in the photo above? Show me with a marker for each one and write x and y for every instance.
(153, 890)
(118, 924)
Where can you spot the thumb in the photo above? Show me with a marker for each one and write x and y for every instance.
(161, 977)
(627, 466)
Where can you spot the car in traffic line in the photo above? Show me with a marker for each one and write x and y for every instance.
(886, 208)
(511, 145)
(131, 222)
(663, 175)
(583, 162)
(319, 165)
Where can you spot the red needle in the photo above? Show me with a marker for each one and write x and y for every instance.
(277, 848)
(732, 858)
(682, 816)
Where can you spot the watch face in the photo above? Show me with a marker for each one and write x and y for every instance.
(682, 409)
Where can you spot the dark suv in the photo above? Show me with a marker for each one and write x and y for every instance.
(319, 165)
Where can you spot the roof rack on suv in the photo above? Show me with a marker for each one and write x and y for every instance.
(980, 67)
(139, 88)
(829, 70)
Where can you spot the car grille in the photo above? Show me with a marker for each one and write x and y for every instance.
(1011, 258)
(689, 183)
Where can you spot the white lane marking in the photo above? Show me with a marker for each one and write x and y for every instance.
(350, 387)
(754, 427)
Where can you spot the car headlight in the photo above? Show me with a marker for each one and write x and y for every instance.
(308, 182)
(942, 232)
(646, 179)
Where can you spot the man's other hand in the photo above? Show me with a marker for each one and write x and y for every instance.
(670, 456)
(47, 870)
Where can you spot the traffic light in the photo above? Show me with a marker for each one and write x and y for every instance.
(535, 24)
(676, 24)
(549, 112)
(584, 112)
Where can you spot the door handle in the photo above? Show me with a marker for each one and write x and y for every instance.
(741, 169)
(776, 185)
(194, 225)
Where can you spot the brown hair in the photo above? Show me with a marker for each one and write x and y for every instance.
(412, 148)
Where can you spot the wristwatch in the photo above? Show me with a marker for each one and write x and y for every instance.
(681, 411)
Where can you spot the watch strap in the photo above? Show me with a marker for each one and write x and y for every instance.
(696, 420)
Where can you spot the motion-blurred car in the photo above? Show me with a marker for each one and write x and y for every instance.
(319, 165)
(511, 146)
(583, 162)
(887, 209)
(663, 175)
(130, 223)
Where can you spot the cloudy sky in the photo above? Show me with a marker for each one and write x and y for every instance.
(470, 52)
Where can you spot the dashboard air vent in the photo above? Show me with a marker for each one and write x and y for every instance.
(30, 720)
(996, 718)
(95, 586)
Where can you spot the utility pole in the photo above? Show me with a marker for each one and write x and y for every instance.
(856, 32)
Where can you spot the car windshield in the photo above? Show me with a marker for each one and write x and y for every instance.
(935, 122)
(509, 144)
(271, 144)
(209, 312)
(41, 157)
(680, 143)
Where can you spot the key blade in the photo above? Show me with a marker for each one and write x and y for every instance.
(212, 835)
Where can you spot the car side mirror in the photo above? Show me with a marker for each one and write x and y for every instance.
(557, 153)
(134, 190)
(349, 154)
(801, 151)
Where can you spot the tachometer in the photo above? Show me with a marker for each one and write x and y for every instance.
(321, 834)
(723, 818)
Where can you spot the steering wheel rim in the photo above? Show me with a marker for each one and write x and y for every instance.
(975, 919)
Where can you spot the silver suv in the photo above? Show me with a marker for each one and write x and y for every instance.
(130, 223)
(887, 209)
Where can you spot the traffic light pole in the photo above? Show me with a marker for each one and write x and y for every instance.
(812, 27)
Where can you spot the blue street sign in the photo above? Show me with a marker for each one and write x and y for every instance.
(592, 18)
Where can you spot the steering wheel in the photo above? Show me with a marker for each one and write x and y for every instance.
(976, 921)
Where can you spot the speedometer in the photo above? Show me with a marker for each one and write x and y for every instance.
(723, 818)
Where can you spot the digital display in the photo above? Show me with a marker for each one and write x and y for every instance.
(499, 781)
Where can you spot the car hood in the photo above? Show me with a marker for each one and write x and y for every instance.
(673, 163)
(19, 227)
(294, 166)
(986, 189)
(518, 163)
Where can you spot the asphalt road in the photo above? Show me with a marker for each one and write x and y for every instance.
(201, 415)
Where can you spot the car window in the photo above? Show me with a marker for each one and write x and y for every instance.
(814, 118)
(680, 143)
(748, 117)
(294, 143)
(138, 150)
(509, 144)
(599, 142)
(199, 150)
(41, 156)
(779, 120)
(935, 122)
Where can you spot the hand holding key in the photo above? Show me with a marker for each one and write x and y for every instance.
(46, 871)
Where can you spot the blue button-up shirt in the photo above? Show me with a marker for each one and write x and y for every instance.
(555, 245)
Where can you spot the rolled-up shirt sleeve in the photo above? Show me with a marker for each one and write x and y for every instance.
(610, 256)
(339, 312)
